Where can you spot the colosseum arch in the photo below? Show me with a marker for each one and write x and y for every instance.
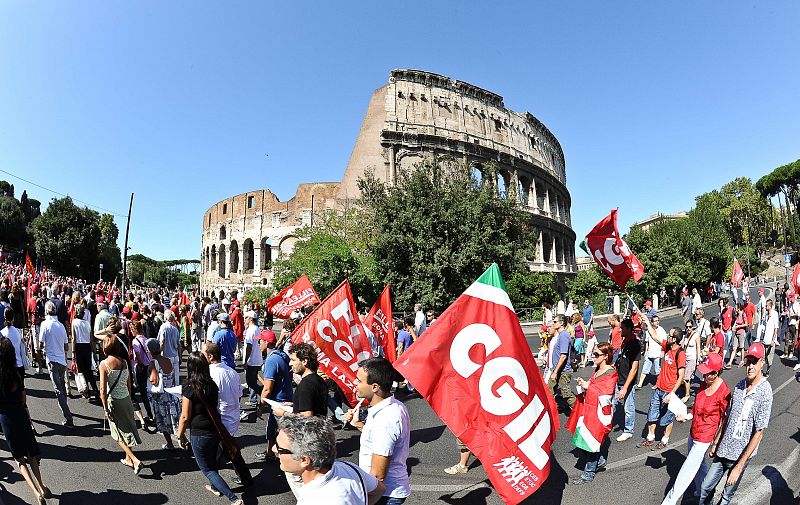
(503, 183)
(222, 260)
(213, 258)
(234, 257)
(248, 256)
(223, 233)
(286, 245)
(266, 253)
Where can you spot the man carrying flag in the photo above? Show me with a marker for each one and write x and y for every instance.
(476, 370)
(590, 422)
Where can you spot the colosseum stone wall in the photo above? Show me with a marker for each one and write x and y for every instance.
(417, 115)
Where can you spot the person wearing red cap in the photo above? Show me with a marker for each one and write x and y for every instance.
(708, 417)
(737, 440)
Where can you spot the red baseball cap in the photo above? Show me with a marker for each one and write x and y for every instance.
(756, 350)
(648, 303)
(267, 335)
(713, 363)
(761, 291)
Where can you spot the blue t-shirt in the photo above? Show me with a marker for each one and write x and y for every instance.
(404, 337)
(588, 312)
(225, 338)
(563, 345)
(276, 369)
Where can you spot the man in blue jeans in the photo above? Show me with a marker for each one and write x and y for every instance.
(737, 442)
(669, 380)
(276, 376)
(627, 365)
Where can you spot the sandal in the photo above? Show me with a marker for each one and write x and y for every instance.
(126, 463)
(659, 447)
(46, 492)
(646, 443)
(212, 490)
(138, 468)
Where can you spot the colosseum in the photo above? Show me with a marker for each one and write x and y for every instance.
(415, 116)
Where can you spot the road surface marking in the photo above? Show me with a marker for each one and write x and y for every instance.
(451, 488)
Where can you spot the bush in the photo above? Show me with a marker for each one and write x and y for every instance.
(258, 294)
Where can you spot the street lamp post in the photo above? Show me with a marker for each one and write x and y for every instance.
(101, 271)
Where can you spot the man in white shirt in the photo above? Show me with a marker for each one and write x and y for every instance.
(306, 447)
(656, 336)
(253, 358)
(213, 326)
(791, 334)
(770, 336)
(229, 385)
(386, 433)
(53, 336)
(420, 324)
(697, 303)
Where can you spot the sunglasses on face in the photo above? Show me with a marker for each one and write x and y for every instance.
(281, 450)
(597, 354)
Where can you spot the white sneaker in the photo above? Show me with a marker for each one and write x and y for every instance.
(455, 469)
(624, 437)
(796, 367)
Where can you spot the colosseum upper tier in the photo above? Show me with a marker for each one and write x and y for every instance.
(416, 116)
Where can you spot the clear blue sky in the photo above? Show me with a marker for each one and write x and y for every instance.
(185, 103)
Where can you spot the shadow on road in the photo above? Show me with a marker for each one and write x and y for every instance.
(115, 496)
(781, 494)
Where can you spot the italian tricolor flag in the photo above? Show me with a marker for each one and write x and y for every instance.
(590, 421)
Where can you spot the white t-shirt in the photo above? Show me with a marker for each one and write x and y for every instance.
(230, 390)
(12, 334)
(81, 330)
(794, 311)
(54, 337)
(653, 347)
(340, 485)
(212, 328)
(773, 320)
(250, 337)
(696, 302)
(387, 432)
(419, 323)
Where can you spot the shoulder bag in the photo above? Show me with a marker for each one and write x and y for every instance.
(227, 443)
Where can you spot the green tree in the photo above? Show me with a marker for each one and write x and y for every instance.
(12, 222)
(259, 294)
(437, 229)
(67, 238)
(110, 255)
(592, 284)
(327, 260)
(531, 289)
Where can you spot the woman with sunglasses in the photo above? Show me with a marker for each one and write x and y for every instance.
(708, 417)
(690, 344)
(593, 413)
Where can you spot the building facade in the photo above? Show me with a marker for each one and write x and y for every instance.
(416, 116)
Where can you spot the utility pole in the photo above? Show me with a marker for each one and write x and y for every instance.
(125, 251)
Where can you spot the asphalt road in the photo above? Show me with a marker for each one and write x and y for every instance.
(81, 465)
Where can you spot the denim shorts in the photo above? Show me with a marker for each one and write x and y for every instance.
(657, 405)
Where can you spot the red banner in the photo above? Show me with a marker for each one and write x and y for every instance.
(29, 264)
(738, 273)
(380, 321)
(478, 373)
(336, 332)
(795, 278)
(294, 296)
(606, 246)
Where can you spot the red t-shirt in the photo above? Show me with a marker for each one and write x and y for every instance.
(750, 312)
(616, 338)
(718, 340)
(707, 412)
(669, 369)
(727, 319)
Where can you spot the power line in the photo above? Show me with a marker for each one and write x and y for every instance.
(62, 194)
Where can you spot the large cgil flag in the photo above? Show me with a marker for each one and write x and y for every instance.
(336, 333)
(478, 373)
(294, 296)
(606, 246)
(738, 273)
(590, 421)
(380, 321)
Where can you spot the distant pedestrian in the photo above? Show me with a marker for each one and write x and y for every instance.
(166, 407)
(225, 338)
(627, 365)
(170, 340)
(561, 363)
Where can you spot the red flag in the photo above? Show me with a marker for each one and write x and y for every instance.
(296, 295)
(738, 273)
(606, 246)
(336, 332)
(29, 264)
(380, 321)
(478, 373)
(590, 421)
(795, 278)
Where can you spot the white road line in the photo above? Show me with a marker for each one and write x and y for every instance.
(451, 488)
(645, 455)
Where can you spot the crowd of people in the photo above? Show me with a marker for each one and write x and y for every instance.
(685, 365)
(124, 353)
